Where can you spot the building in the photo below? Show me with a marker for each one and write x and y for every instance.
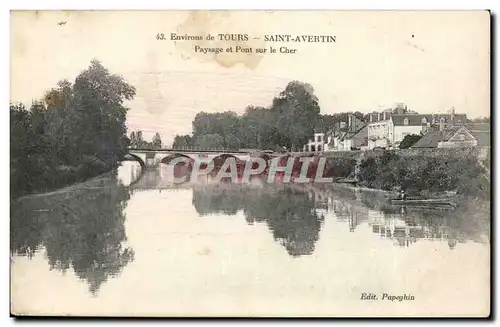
(380, 130)
(468, 135)
(353, 141)
(481, 132)
(454, 137)
(352, 136)
(387, 130)
(316, 144)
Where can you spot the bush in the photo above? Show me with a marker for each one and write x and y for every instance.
(429, 173)
(339, 166)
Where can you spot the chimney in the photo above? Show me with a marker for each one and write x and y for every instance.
(371, 118)
(349, 118)
(441, 125)
(452, 116)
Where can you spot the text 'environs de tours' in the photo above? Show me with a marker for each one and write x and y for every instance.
(241, 48)
(266, 38)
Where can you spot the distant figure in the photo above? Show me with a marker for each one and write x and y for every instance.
(452, 243)
(402, 195)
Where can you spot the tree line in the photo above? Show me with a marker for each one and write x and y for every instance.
(90, 237)
(137, 141)
(75, 132)
(289, 122)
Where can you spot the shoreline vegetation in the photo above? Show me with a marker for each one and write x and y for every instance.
(76, 132)
(91, 182)
(426, 174)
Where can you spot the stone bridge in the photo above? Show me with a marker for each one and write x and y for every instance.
(149, 158)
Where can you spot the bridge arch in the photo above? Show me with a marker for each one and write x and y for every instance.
(168, 159)
(180, 169)
(132, 157)
(220, 159)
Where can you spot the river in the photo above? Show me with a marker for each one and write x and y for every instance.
(127, 244)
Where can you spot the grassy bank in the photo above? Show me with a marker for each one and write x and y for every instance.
(48, 178)
(425, 174)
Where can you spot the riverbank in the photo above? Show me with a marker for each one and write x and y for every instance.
(66, 179)
(424, 174)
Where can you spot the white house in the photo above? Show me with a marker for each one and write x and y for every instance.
(380, 130)
(388, 130)
(317, 143)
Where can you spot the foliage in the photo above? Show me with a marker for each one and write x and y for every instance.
(327, 123)
(182, 142)
(72, 124)
(409, 140)
(289, 123)
(81, 229)
(289, 214)
(417, 173)
(209, 141)
(339, 167)
(157, 141)
(137, 141)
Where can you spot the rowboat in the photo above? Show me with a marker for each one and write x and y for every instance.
(346, 180)
(423, 202)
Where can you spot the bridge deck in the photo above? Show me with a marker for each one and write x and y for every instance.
(187, 150)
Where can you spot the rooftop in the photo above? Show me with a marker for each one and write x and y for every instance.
(431, 139)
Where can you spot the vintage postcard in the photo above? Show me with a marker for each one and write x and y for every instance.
(250, 163)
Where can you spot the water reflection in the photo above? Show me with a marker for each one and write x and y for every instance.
(82, 228)
(291, 216)
(295, 214)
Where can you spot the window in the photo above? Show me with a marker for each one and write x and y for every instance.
(319, 147)
(406, 121)
(442, 119)
(424, 120)
(461, 137)
(318, 138)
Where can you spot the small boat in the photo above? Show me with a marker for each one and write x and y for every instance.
(346, 180)
(423, 201)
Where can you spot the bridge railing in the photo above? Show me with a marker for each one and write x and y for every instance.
(188, 150)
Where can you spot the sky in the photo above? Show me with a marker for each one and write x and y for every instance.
(431, 61)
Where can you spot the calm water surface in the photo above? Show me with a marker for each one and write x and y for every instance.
(129, 244)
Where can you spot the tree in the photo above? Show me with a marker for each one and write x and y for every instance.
(297, 111)
(139, 141)
(157, 141)
(209, 141)
(409, 140)
(289, 122)
(76, 132)
(133, 140)
(84, 232)
(98, 118)
(182, 142)
(232, 142)
(223, 124)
